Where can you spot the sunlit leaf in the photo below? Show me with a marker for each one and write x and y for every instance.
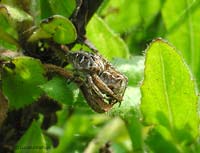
(168, 93)
(21, 80)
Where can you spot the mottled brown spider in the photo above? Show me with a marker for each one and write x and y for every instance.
(103, 85)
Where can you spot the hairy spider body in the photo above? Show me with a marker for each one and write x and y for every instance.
(104, 84)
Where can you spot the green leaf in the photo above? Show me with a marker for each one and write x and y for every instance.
(63, 7)
(57, 27)
(109, 44)
(32, 141)
(181, 19)
(168, 98)
(59, 89)
(14, 13)
(21, 80)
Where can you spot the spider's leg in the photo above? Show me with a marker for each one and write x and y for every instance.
(93, 86)
(104, 88)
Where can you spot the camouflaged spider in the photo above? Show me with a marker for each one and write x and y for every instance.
(102, 86)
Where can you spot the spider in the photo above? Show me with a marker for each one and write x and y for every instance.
(103, 85)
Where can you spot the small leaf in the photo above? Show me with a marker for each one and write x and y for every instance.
(61, 29)
(108, 43)
(59, 89)
(20, 81)
(32, 141)
(57, 27)
(63, 7)
(168, 93)
(14, 13)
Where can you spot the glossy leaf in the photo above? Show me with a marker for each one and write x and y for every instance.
(168, 98)
(21, 80)
(59, 89)
(32, 141)
(107, 42)
(181, 19)
(57, 27)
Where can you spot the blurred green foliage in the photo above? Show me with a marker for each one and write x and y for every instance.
(159, 109)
